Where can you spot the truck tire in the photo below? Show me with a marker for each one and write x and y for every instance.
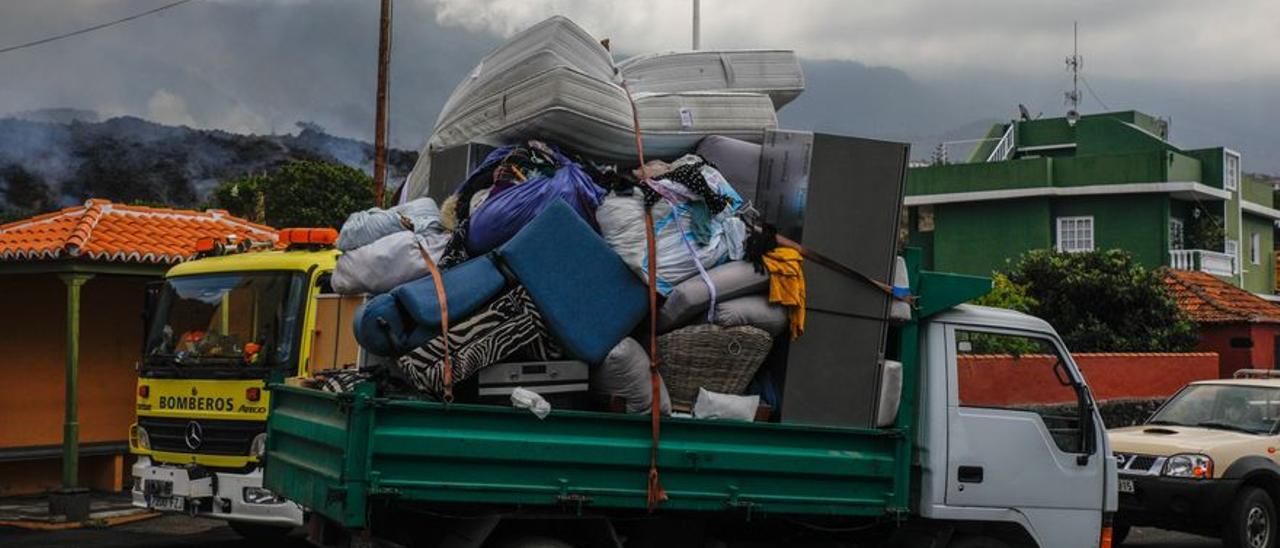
(977, 541)
(1251, 522)
(535, 542)
(1119, 532)
(259, 532)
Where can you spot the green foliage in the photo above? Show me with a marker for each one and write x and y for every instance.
(1203, 231)
(1006, 294)
(299, 194)
(1100, 301)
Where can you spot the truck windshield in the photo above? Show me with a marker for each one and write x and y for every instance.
(1247, 409)
(234, 324)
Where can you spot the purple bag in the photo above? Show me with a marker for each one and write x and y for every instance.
(505, 213)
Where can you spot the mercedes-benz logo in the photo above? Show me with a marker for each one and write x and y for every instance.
(194, 435)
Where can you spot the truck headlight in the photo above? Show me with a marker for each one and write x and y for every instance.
(138, 438)
(259, 446)
(1189, 466)
(258, 495)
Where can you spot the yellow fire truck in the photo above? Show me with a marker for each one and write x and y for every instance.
(220, 327)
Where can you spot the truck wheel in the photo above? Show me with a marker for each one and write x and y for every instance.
(1119, 532)
(977, 541)
(535, 542)
(1252, 520)
(260, 532)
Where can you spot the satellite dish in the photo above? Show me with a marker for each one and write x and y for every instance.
(1072, 117)
(1022, 110)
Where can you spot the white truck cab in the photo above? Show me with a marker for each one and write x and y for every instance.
(1043, 468)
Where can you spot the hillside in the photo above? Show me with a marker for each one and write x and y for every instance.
(55, 160)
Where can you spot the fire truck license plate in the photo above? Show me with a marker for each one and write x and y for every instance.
(172, 504)
(1126, 486)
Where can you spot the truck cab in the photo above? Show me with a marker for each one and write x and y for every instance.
(1206, 462)
(220, 327)
(1035, 471)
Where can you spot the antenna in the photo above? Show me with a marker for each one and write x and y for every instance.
(1074, 64)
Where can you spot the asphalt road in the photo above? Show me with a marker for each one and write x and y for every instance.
(184, 532)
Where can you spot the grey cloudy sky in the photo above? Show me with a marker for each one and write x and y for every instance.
(1173, 39)
(904, 69)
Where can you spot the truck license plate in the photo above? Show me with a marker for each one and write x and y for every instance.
(1126, 486)
(167, 504)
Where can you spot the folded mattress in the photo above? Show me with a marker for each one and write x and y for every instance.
(776, 73)
(593, 117)
(553, 82)
(555, 42)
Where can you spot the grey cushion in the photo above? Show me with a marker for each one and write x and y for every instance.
(625, 373)
(755, 311)
(691, 298)
(737, 160)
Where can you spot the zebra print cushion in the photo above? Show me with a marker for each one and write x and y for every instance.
(508, 325)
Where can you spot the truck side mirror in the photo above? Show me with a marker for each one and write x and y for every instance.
(150, 297)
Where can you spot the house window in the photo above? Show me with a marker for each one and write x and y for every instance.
(1231, 171)
(1176, 229)
(1255, 248)
(1075, 234)
(1232, 248)
(924, 218)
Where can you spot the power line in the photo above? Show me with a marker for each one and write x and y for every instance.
(95, 27)
(1091, 92)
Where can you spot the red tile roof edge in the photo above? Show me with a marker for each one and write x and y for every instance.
(76, 242)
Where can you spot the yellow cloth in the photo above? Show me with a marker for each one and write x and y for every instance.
(786, 285)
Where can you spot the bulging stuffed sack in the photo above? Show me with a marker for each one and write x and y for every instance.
(366, 227)
(505, 212)
(388, 262)
(621, 219)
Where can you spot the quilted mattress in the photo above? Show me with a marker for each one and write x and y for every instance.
(776, 73)
(554, 82)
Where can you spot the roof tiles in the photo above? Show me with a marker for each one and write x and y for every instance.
(1208, 299)
(101, 230)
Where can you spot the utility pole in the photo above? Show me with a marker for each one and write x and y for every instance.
(380, 131)
(697, 24)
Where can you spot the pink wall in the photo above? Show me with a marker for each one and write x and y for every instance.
(1004, 380)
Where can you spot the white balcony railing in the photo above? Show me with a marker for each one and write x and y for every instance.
(1004, 149)
(1212, 262)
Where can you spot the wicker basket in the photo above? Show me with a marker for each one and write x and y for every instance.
(720, 359)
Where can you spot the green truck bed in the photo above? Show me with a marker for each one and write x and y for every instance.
(332, 452)
(335, 454)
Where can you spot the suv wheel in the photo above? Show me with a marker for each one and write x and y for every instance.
(1252, 521)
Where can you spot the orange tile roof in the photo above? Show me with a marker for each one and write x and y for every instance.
(104, 231)
(1208, 299)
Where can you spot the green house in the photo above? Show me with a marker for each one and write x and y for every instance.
(1102, 181)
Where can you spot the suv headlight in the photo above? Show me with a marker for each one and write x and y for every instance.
(138, 438)
(1189, 466)
(258, 447)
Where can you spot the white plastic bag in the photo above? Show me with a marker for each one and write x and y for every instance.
(713, 405)
(533, 401)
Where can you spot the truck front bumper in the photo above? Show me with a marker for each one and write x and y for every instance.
(199, 492)
(1179, 504)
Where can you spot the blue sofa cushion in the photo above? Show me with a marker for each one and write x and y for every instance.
(588, 297)
(408, 316)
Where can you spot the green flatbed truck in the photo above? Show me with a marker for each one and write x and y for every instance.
(949, 471)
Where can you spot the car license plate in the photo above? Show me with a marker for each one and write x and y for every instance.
(168, 504)
(1126, 486)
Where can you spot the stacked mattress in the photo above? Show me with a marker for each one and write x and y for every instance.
(557, 83)
(774, 72)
